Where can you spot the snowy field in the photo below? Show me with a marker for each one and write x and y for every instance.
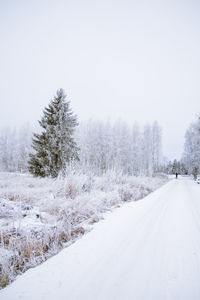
(39, 217)
(145, 250)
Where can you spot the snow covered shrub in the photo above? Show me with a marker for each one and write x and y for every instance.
(5, 267)
(72, 185)
(108, 181)
(126, 193)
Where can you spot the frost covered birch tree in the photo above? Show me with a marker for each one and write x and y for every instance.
(156, 147)
(105, 146)
(191, 156)
(55, 146)
(15, 146)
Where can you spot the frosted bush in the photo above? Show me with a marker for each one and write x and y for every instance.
(72, 185)
(109, 180)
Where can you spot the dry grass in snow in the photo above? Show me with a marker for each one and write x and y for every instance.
(38, 217)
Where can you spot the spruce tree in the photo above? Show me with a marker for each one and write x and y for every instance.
(54, 147)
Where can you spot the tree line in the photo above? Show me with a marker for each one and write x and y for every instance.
(15, 147)
(93, 146)
(189, 164)
(132, 150)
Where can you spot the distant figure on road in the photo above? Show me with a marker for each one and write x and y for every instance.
(176, 175)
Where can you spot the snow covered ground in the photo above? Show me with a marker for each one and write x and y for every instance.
(39, 217)
(145, 250)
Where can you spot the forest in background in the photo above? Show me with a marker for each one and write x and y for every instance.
(105, 146)
(102, 146)
(93, 146)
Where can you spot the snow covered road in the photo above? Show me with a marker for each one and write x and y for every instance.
(145, 250)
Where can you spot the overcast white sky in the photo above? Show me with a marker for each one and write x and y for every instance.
(137, 60)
